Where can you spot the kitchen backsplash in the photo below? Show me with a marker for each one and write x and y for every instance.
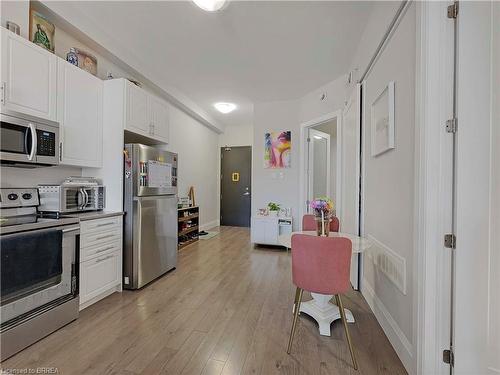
(25, 177)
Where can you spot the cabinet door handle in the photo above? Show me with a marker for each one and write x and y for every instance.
(60, 151)
(105, 258)
(104, 224)
(105, 249)
(103, 237)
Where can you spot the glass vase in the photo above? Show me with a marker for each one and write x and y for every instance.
(323, 224)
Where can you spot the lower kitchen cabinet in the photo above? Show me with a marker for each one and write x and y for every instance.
(101, 242)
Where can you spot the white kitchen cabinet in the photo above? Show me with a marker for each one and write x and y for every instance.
(160, 120)
(99, 275)
(265, 230)
(101, 243)
(79, 112)
(137, 117)
(28, 79)
(145, 114)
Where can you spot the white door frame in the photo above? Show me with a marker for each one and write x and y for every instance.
(310, 176)
(303, 147)
(433, 163)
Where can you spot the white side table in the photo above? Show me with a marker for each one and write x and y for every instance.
(320, 308)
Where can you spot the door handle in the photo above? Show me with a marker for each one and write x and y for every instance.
(34, 142)
(246, 193)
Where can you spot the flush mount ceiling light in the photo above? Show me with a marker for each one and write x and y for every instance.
(225, 107)
(210, 5)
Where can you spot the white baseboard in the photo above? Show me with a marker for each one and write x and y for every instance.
(397, 338)
(210, 225)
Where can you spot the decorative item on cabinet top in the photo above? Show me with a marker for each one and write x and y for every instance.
(41, 31)
(82, 59)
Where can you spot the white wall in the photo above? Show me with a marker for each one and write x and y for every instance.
(17, 12)
(241, 135)
(389, 189)
(275, 185)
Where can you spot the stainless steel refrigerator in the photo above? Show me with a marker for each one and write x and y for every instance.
(150, 205)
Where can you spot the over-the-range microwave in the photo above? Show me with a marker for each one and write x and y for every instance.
(26, 141)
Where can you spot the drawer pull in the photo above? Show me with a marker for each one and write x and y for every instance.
(105, 258)
(104, 224)
(103, 237)
(105, 249)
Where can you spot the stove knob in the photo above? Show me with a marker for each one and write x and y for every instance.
(12, 196)
(27, 196)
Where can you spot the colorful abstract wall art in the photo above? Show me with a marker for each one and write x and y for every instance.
(278, 149)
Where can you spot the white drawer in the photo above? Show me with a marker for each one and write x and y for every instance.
(101, 249)
(100, 225)
(99, 274)
(100, 237)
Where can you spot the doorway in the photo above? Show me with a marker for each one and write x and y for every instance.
(236, 182)
(320, 163)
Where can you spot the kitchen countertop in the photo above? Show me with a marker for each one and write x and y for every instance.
(91, 215)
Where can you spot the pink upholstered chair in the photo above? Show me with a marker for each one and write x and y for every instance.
(321, 265)
(309, 223)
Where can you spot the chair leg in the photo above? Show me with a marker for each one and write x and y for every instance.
(344, 322)
(298, 299)
(297, 294)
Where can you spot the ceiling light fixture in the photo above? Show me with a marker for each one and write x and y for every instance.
(225, 107)
(210, 5)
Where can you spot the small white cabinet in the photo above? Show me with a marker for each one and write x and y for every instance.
(79, 109)
(265, 230)
(28, 79)
(100, 259)
(137, 117)
(145, 114)
(160, 120)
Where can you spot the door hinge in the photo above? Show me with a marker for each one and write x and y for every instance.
(448, 357)
(450, 241)
(2, 98)
(451, 125)
(453, 10)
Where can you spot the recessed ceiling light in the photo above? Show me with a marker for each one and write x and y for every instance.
(210, 5)
(225, 107)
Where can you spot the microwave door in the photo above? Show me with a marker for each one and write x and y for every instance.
(17, 142)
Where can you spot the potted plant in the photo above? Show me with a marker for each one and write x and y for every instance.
(323, 210)
(274, 208)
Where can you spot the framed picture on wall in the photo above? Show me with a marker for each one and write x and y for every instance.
(41, 31)
(278, 149)
(382, 121)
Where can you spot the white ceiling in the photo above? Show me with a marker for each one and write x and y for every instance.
(246, 53)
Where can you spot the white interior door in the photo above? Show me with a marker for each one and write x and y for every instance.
(350, 173)
(477, 272)
(318, 171)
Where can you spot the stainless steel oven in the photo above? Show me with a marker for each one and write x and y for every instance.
(39, 271)
(28, 142)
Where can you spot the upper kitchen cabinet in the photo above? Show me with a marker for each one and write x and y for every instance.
(79, 112)
(137, 116)
(160, 120)
(145, 115)
(28, 79)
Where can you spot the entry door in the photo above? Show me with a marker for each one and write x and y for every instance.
(477, 273)
(318, 170)
(236, 178)
(350, 174)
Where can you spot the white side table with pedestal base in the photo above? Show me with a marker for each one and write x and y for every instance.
(320, 308)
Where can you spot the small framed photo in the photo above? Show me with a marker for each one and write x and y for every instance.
(382, 121)
(41, 31)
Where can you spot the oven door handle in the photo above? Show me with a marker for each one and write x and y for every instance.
(73, 229)
(34, 142)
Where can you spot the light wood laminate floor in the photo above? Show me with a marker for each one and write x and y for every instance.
(226, 309)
